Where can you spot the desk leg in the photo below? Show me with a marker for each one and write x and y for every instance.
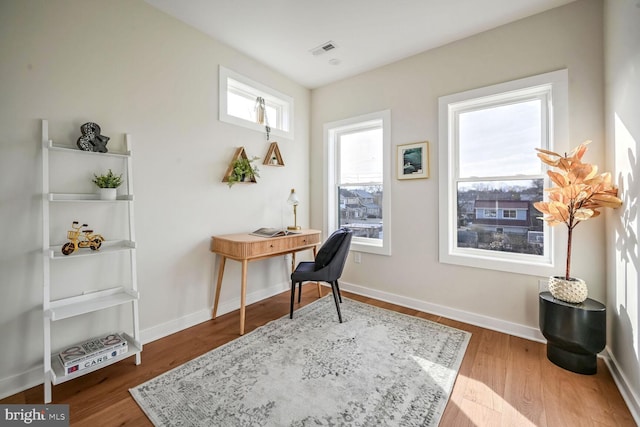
(317, 283)
(243, 294)
(218, 285)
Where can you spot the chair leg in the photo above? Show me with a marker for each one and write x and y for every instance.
(335, 291)
(299, 291)
(338, 288)
(293, 296)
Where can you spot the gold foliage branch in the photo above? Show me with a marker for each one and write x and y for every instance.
(579, 192)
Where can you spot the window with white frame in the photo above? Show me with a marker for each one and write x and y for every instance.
(490, 174)
(241, 100)
(509, 213)
(358, 179)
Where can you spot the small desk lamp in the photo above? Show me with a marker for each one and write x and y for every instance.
(293, 200)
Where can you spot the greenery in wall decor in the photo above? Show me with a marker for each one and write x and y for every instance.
(243, 170)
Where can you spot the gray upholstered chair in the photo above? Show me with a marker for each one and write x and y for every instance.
(327, 267)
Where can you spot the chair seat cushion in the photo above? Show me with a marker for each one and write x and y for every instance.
(304, 269)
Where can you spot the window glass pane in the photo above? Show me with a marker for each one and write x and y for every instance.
(360, 209)
(499, 216)
(360, 156)
(272, 116)
(241, 106)
(500, 141)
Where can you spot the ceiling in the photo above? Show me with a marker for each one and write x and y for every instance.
(366, 33)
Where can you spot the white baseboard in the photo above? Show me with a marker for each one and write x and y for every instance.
(631, 399)
(487, 322)
(22, 381)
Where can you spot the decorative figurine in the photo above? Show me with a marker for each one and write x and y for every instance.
(91, 140)
(86, 240)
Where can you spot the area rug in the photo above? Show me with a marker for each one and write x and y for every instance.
(379, 367)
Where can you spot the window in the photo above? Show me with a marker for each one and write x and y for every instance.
(489, 213)
(358, 180)
(490, 175)
(238, 104)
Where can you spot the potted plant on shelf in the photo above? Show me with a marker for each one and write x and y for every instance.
(242, 170)
(107, 185)
(579, 192)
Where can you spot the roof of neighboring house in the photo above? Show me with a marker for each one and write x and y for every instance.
(502, 204)
(362, 194)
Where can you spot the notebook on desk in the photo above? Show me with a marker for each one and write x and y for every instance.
(272, 232)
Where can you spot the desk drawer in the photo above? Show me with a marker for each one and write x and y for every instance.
(308, 239)
(246, 246)
(282, 244)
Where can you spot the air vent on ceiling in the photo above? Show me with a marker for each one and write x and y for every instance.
(323, 48)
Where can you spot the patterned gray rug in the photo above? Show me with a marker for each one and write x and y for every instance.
(379, 367)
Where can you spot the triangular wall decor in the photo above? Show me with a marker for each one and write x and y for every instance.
(273, 157)
(240, 153)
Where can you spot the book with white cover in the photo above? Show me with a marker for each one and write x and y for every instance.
(96, 346)
(96, 359)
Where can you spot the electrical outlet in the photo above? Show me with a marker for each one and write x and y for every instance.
(357, 257)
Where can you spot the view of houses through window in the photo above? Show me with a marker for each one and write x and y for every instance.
(499, 176)
(361, 210)
(491, 175)
(360, 175)
(500, 216)
(358, 169)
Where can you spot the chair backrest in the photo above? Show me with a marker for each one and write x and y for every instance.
(333, 253)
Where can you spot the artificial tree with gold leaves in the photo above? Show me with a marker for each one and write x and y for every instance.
(579, 192)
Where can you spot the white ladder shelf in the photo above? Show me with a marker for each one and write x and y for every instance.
(84, 303)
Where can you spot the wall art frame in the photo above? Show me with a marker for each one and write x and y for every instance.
(413, 160)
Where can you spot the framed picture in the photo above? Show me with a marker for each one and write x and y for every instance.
(413, 160)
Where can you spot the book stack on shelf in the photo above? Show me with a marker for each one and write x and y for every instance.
(92, 352)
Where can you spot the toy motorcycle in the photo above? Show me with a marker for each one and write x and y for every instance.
(81, 239)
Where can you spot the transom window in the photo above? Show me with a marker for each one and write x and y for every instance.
(240, 98)
(357, 168)
(490, 175)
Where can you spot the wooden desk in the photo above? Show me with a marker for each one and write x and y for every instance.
(245, 247)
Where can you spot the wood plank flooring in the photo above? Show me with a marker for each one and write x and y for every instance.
(503, 380)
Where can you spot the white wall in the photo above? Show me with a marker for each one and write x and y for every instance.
(622, 70)
(567, 37)
(133, 69)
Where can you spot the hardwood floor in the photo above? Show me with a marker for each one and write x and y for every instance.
(503, 380)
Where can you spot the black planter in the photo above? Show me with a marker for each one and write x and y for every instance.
(575, 333)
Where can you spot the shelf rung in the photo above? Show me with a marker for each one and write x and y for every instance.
(88, 303)
(55, 252)
(86, 197)
(54, 147)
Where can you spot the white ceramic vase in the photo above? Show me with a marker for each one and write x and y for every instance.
(107, 193)
(573, 290)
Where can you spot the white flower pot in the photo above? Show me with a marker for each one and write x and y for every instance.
(107, 193)
(572, 290)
